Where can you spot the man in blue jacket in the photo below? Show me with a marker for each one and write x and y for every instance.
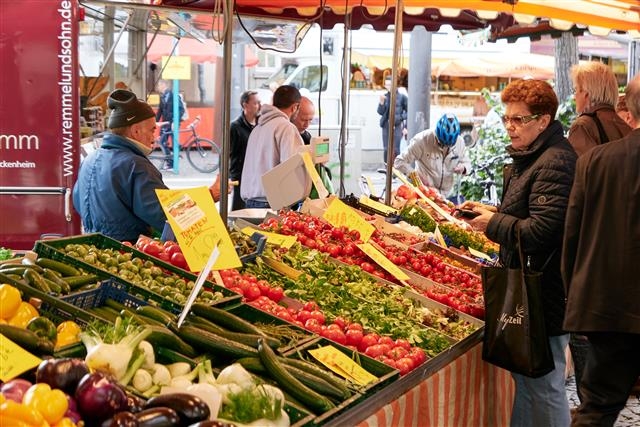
(116, 189)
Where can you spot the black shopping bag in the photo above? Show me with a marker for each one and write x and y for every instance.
(515, 336)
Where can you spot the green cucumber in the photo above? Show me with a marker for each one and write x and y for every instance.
(77, 350)
(55, 277)
(158, 314)
(225, 319)
(313, 369)
(163, 337)
(247, 339)
(168, 356)
(55, 288)
(36, 281)
(27, 340)
(19, 268)
(116, 305)
(214, 344)
(141, 320)
(314, 401)
(254, 365)
(62, 268)
(80, 280)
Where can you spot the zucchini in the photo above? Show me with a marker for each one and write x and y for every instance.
(225, 319)
(77, 350)
(19, 269)
(80, 280)
(247, 339)
(254, 365)
(104, 313)
(141, 320)
(314, 401)
(36, 281)
(168, 356)
(62, 268)
(312, 368)
(55, 288)
(158, 314)
(116, 305)
(163, 337)
(54, 277)
(27, 340)
(215, 344)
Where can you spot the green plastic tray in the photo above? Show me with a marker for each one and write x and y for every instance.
(52, 249)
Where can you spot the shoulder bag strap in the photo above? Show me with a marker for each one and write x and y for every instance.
(601, 133)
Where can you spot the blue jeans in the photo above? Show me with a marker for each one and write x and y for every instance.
(543, 401)
(256, 204)
(164, 143)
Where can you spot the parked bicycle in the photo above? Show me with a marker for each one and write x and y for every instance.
(202, 153)
(490, 169)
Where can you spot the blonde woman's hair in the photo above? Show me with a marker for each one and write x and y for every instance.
(598, 80)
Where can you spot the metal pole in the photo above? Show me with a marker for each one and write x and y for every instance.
(397, 39)
(419, 81)
(226, 120)
(344, 107)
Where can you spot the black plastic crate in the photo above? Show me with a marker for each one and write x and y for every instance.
(255, 315)
(52, 249)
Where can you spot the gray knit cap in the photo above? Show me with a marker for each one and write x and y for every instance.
(127, 109)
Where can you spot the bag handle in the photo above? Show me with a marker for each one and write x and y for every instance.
(521, 254)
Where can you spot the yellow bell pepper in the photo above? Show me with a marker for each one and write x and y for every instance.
(52, 404)
(23, 414)
(68, 333)
(25, 313)
(65, 422)
(10, 300)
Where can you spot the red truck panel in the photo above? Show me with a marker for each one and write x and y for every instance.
(39, 120)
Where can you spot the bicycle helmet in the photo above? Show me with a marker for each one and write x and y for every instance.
(448, 129)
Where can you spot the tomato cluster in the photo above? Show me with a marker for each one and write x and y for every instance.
(168, 251)
(464, 302)
(314, 233)
(250, 287)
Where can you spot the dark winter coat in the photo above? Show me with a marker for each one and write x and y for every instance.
(116, 191)
(584, 134)
(536, 194)
(165, 109)
(400, 113)
(238, 135)
(601, 259)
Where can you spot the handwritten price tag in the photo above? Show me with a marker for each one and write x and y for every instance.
(14, 360)
(341, 364)
(340, 215)
(273, 238)
(377, 205)
(383, 262)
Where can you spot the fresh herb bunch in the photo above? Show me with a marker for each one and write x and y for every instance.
(415, 215)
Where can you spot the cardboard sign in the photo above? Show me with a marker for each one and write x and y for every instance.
(273, 238)
(313, 174)
(439, 237)
(342, 365)
(383, 262)
(14, 360)
(340, 215)
(198, 227)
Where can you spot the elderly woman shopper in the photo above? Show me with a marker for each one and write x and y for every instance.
(534, 203)
(596, 95)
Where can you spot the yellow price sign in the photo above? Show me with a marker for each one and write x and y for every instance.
(198, 227)
(377, 205)
(273, 238)
(383, 262)
(14, 360)
(176, 67)
(341, 364)
(340, 215)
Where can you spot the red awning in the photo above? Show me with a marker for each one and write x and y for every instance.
(199, 52)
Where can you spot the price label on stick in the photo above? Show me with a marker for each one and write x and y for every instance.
(340, 215)
(383, 262)
(341, 364)
(14, 360)
(199, 282)
(273, 238)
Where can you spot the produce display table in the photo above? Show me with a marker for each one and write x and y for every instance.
(466, 391)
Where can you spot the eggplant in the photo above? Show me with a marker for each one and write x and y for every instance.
(158, 417)
(99, 397)
(64, 373)
(121, 419)
(134, 403)
(191, 409)
(212, 423)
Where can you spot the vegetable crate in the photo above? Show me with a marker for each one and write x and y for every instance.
(53, 249)
(257, 316)
(384, 373)
(109, 289)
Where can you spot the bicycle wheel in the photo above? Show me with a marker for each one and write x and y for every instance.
(204, 155)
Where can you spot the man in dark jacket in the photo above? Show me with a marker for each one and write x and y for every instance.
(116, 189)
(601, 267)
(239, 135)
(399, 119)
(165, 114)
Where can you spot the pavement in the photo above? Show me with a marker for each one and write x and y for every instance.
(189, 177)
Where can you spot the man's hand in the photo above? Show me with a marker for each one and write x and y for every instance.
(215, 188)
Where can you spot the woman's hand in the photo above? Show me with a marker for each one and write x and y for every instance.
(471, 205)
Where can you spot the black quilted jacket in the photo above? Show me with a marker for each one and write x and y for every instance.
(535, 197)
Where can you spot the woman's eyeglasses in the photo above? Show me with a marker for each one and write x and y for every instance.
(519, 120)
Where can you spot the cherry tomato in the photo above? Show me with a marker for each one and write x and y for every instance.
(178, 260)
(353, 337)
(151, 249)
(252, 292)
(275, 294)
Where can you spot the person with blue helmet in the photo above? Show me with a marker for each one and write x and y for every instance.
(438, 154)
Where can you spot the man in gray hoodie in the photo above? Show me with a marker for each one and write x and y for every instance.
(273, 140)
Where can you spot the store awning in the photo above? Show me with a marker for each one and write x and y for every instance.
(514, 65)
(199, 52)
